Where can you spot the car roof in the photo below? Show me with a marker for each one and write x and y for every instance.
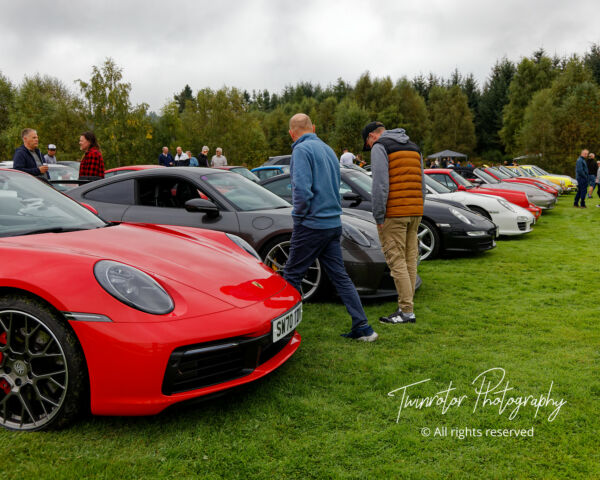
(134, 167)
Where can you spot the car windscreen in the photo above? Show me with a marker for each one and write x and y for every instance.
(61, 172)
(436, 186)
(361, 179)
(523, 172)
(486, 177)
(539, 170)
(28, 205)
(460, 180)
(242, 193)
(510, 172)
(246, 173)
(500, 174)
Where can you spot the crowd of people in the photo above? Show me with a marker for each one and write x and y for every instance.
(186, 159)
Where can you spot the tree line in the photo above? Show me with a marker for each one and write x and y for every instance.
(544, 106)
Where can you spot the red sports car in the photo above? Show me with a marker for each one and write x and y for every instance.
(454, 181)
(125, 319)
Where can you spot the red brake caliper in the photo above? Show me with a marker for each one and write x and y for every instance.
(2, 342)
(4, 385)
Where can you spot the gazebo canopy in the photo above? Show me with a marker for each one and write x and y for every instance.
(447, 153)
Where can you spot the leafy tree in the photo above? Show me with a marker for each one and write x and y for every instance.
(123, 131)
(7, 94)
(451, 120)
(413, 113)
(592, 61)
(350, 119)
(325, 118)
(563, 119)
(183, 97)
(491, 104)
(532, 75)
(44, 103)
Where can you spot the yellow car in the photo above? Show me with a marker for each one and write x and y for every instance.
(568, 183)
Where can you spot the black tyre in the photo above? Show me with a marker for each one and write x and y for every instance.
(276, 254)
(480, 211)
(429, 240)
(43, 377)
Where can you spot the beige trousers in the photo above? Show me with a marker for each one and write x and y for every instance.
(400, 247)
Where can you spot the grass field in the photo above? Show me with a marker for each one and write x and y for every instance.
(530, 307)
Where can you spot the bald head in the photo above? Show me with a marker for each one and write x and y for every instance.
(299, 125)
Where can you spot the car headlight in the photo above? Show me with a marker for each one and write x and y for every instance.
(477, 233)
(354, 234)
(133, 287)
(244, 245)
(460, 216)
(506, 205)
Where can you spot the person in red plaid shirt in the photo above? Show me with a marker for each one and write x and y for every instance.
(92, 163)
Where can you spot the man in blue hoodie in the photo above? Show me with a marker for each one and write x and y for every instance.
(315, 176)
(582, 175)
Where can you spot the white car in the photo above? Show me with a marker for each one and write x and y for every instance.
(509, 218)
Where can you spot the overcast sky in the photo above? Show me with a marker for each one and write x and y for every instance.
(257, 44)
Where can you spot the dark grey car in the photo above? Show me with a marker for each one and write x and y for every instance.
(225, 201)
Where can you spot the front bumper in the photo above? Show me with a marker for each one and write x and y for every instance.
(457, 240)
(128, 363)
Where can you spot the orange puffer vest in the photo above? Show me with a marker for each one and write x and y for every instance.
(405, 197)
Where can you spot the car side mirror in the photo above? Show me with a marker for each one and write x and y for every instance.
(462, 188)
(476, 181)
(353, 197)
(203, 206)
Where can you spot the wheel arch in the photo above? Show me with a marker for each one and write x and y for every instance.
(7, 291)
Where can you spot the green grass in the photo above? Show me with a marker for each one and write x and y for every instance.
(530, 306)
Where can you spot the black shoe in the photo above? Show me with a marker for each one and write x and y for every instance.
(399, 317)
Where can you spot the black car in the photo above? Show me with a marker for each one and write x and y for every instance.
(225, 201)
(446, 226)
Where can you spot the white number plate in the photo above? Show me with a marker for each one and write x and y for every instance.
(286, 323)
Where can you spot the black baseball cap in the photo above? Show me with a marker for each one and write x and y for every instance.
(369, 127)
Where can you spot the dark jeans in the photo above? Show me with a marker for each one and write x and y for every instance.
(581, 191)
(309, 244)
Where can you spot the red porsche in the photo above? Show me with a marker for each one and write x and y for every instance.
(123, 319)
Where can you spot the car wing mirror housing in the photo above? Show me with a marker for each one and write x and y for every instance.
(353, 197)
(204, 206)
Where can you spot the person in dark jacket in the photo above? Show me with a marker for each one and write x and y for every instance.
(165, 158)
(592, 171)
(203, 157)
(28, 157)
(582, 177)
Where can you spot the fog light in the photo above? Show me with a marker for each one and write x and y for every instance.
(476, 233)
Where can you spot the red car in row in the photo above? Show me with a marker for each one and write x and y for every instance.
(454, 181)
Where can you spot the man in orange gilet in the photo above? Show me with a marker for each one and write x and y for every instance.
(397, 202)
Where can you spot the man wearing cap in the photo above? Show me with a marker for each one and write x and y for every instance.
(316, 212)
(397, 204)
(28, 157)
(50, 157)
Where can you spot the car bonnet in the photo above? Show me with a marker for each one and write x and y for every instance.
(203, 260)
